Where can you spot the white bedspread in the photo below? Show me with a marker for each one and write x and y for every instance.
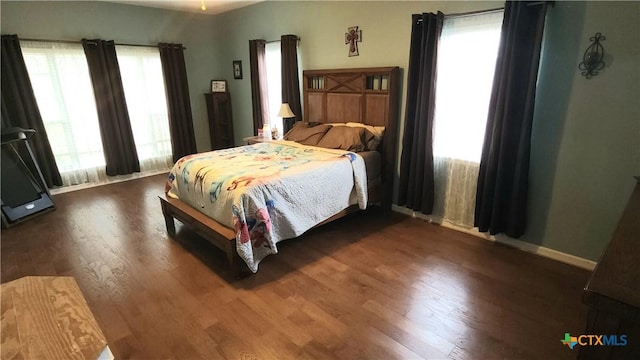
(269, 192)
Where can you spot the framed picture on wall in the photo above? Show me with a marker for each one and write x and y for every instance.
(237, 69)
(218, 86)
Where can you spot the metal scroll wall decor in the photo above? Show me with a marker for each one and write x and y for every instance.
(592, 61)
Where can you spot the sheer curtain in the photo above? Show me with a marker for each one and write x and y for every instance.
(60, 78)
(466, 64)
(143, 84)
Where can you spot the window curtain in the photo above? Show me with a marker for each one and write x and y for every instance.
(143, 83)
(19, 107)
(115, 128)
(501, 198)
(183, 141)
(259, 89)
(416, 164)
(290, 78)
(462, 104)
(62, 85)
(455, 196)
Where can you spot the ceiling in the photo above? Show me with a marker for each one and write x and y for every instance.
(213, 6)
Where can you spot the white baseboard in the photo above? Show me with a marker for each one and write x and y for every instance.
(110, 180)
(503, 239)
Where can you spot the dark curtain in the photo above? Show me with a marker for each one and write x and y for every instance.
(174, 70)
(501, 199)
(290, 79)
(259, 92)
(115, 127)
(416, 164)
(20, 109)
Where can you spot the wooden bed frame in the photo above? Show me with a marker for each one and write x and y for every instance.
(365, 95)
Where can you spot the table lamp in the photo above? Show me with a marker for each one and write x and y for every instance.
(286, 113)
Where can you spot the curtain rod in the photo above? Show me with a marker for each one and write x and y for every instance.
(272, 41)
(532, 3)
(473, 12)
(476, 12)
(80, 42)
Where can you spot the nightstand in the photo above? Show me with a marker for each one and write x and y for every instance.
(255, 139)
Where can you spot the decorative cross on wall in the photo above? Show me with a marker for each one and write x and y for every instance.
(353, 37)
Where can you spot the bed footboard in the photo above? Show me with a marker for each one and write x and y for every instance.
(223, 237)
(219, 235)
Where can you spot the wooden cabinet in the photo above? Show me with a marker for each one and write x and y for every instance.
(220, 120)
(613, 292)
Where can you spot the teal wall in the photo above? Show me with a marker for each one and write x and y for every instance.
(386, 33)
(586, 135)
(68, 20)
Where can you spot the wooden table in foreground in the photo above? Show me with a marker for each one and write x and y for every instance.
(46, 317)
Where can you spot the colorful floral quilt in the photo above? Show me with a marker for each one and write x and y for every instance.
(269, 192)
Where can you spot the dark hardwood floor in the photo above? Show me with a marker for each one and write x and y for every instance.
(374, 285)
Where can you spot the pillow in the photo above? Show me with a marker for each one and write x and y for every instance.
(346, 138)
(377, 131)
(300, 123)
(307, 123)
(305, 134)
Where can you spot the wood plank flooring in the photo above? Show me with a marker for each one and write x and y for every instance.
(374, 285)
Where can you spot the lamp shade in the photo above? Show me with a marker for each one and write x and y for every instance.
(285, 111)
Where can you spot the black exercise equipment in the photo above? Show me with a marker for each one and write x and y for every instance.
(24, 191)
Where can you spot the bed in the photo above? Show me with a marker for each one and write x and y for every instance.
(247, 213)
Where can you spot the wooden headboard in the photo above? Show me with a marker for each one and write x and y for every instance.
(365, 95)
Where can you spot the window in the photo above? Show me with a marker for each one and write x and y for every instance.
(60, 79)
(143, 82)
(466, 64)
(274, 83)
